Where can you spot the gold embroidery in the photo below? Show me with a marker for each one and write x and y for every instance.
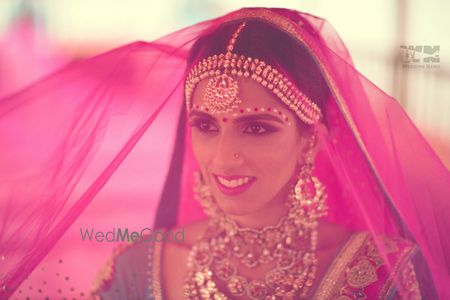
(390, 245)
(409, 282)
(356, 268)
(106, 275)
(331, 282)
(403, 270)
(157, 290)
(361, 271)
(266, 14)
(362, 274)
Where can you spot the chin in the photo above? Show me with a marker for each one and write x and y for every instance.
(236, 207)
(233, 207)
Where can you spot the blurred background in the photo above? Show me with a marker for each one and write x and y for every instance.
(402, 46)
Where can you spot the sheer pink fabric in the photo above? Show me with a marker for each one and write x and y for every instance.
(109, 129)
(26, 54)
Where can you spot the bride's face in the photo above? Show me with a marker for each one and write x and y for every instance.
(268, 148)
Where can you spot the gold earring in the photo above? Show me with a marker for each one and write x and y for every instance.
(202, 193)
(310, 192)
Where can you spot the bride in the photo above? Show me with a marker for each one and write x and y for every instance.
(290, 176)
(262, 115)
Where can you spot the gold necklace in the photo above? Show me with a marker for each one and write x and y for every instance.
(291, 245)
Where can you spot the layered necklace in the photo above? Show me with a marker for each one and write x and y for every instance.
(290, 246)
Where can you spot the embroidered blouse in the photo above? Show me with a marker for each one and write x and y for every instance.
(357, 272)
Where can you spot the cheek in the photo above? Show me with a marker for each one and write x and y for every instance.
(274, 149)
(276, 159)
(279, 163)
(201, 147)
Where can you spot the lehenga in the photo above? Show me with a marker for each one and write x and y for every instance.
(357, 272)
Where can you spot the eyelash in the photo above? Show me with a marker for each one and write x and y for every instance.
(198, 122)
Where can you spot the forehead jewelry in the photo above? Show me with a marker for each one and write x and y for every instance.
(243, 110)
(222, 91)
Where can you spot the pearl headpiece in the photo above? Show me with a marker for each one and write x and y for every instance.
(222, 92)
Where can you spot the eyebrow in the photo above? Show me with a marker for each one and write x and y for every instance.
(245, 118)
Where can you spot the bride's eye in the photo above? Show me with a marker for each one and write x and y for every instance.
(259, 129)
(203, 125)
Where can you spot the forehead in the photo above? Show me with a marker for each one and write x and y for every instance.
(252, 94)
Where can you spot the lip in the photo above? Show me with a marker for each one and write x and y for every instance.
(233, 191)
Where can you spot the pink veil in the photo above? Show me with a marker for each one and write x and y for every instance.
(112, 129)
(26, 54)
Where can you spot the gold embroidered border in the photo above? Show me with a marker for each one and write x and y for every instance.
(156, 273)
(327, 287)
(266, 14)
(107, 273)
(401, 261)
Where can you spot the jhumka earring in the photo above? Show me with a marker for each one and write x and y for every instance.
(202, 193)
(309, 191)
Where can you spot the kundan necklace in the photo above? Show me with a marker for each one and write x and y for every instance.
(290, 246)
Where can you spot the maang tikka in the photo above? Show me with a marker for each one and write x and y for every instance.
(222, 91)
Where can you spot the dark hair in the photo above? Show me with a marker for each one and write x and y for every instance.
(261, 40)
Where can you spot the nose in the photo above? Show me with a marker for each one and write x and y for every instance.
(228, 155)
